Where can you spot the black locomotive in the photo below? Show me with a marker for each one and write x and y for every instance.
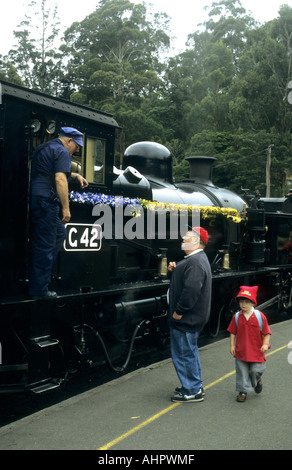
(111, 276)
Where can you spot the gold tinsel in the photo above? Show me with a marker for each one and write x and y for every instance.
(205, 211)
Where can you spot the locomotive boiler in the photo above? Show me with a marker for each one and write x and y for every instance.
(110, 275)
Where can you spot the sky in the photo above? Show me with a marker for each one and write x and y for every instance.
(185, 15)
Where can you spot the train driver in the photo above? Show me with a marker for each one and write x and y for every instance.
(50, 171)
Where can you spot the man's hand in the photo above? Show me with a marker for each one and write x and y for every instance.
(171, 266)
(176, 316)
(83, 182)
(66, 216)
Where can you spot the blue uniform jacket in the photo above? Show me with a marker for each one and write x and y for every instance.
(49, 158)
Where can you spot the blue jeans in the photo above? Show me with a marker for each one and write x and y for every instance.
(47, 236)
(186, 361)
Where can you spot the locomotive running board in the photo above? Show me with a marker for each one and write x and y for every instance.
(44, 341)
(46, 387)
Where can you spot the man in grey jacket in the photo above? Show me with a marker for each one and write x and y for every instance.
(189, 310)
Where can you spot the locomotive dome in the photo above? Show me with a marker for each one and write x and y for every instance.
(151, 159)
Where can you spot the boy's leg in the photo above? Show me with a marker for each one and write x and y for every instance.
(243, 381)
(256, 371)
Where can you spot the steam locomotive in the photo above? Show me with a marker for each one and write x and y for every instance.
(111, 275)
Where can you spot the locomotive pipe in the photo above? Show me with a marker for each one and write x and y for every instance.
(106, 355)
(142, 307)
(269, 302)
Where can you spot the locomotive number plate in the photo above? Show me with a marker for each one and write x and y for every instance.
(83, 237)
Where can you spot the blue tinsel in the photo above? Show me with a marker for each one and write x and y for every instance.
(93, 198)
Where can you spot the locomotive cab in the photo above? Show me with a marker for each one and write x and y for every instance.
(28, 119)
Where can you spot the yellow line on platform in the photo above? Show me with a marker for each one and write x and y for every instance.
(277, 350)
(140, 426)
(166, 410)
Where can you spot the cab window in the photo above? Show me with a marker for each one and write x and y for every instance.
(95, 160)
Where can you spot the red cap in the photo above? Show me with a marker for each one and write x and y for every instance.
(203, 234)
(248, 293)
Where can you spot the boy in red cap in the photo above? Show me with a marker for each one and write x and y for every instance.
(247, 329)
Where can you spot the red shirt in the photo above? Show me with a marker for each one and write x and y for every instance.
(249, 337)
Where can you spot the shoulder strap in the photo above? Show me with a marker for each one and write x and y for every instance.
(259, 317)
(257, 314)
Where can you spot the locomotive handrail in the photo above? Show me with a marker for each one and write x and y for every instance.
(269, 302)
(115, 289)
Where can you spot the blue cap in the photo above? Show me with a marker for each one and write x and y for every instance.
(73, 133)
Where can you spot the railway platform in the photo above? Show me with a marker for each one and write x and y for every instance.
(134, 412)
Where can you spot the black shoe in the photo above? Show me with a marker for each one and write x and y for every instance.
(259, 386)
(178, 390)
(180, 398)
(49, 295)
(241, 397)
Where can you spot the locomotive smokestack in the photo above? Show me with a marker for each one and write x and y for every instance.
(201, 169)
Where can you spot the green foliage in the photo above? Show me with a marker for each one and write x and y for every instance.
(34, 56)
(9, 73)
(241, 159)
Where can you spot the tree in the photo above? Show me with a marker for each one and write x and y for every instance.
(231, 89)
(8, 72)
(113, 55)
(199, 80)
(259, 91)
(114, 52)
(35, 55)
(229, 23)
(241, 159)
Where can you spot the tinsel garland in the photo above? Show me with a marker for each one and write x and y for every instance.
(113, 201)
(206, 211)
(93, 198)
